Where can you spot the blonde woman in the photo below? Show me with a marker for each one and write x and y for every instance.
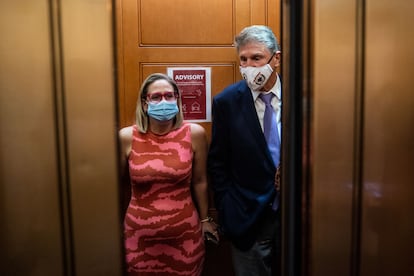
(166, 218)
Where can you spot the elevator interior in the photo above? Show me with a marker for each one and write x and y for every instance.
(59, 191)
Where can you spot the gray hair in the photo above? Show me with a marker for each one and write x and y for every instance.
(141, 119)
(260, 34)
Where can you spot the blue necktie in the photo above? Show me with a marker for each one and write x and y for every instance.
(270, 128)
(271, 135)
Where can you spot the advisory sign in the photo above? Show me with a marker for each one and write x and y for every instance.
(195, 89)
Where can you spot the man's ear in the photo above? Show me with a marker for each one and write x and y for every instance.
(277, 56)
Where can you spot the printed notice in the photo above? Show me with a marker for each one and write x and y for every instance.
(195, 89)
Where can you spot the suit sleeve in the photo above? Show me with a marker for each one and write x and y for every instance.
(218, 158)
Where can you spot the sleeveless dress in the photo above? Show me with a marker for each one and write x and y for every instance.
(162, 229)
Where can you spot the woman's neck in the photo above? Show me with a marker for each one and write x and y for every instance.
(161, 128)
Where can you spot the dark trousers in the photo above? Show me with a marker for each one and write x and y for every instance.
(263, 258)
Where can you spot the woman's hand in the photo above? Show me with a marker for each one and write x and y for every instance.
(210, 226)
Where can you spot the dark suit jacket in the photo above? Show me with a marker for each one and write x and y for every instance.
(240, 167)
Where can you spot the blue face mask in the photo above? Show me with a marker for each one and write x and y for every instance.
(162, 111)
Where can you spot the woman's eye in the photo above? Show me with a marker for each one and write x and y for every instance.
(155, 97)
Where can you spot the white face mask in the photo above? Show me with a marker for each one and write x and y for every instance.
(256, 77)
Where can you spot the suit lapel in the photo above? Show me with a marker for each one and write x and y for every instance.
(248, 111)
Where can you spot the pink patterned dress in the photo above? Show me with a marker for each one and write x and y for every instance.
(162, 228)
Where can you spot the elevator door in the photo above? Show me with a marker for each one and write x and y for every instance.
(59, 210)
(362, 138)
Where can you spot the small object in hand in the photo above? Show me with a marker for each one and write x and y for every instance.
(210, 237)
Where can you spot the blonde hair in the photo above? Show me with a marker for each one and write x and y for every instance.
(141, 119)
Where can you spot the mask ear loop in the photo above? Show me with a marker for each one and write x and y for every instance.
(271, 58)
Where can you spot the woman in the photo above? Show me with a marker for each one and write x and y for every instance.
(164, 228)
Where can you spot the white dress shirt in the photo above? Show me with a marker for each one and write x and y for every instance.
(276, 104)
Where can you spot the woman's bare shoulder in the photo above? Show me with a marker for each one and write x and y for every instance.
(197, 129)
(125, 134)
(198, 135)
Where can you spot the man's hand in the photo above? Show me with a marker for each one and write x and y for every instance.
(277, 179)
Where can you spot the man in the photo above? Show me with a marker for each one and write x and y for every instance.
(241, 167)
